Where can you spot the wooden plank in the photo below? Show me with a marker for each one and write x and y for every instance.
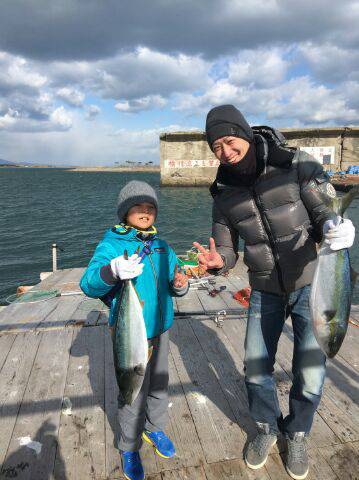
(5, 346)
(234, 470)
(46, 384)
(70, 282)
(238, 281)
(349, 351)
(81, 435)
(228, 366)
(180, 429)
(319, 469)
(275, 467)
(189, 303)
(343, 459)
(211, 305)
(22, 317)
(227, 295)
(190, 473)
(62, 315)
(354, 312)
(13, 380)
(87, 313)
(214, 420)
(222, 301)
(50, 282)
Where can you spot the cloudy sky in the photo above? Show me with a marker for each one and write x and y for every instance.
(93, 82)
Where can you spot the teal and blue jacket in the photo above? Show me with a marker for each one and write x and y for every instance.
(154, 285)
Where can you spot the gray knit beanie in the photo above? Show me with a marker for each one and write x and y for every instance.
(132, 193)
(227, 120)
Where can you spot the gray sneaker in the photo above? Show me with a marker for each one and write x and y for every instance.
(258, 449)
(297, 458)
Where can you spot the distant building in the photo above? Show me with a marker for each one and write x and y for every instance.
(186, 159)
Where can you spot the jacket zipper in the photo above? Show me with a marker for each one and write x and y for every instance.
(270, 238)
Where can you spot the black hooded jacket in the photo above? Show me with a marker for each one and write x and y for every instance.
(279, 214)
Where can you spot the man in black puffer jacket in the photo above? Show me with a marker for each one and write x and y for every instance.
(271, 196)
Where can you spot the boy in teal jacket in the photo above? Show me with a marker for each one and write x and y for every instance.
(156, 280)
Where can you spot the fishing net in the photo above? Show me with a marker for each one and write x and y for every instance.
(32, 296)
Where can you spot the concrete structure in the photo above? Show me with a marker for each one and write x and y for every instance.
(186, 159)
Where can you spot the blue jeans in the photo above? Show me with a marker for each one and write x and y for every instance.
(266, 316)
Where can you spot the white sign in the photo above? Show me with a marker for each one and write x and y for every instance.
(191, 163)
(326, 155)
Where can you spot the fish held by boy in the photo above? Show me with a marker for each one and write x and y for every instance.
(130, 346)
(332, 288)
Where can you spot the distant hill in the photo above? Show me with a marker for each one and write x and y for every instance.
(5, 162)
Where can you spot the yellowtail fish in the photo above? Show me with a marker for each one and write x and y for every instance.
(332, 288)
(130, 346)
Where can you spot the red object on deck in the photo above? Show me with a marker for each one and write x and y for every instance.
(242, 296)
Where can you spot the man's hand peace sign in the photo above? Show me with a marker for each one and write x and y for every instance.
(209, 259)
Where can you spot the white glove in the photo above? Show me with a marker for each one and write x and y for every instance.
(339, 233)
(125, 269)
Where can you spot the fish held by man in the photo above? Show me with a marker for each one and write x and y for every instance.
(332, 288)
(130, 346)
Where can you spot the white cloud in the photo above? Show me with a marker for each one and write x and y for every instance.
(298, 101)
(14, 121)
(260, 68)
(330, 62)
(302, 100)
(17, 72)
(8, 120)
(141, 104)
(133, 75)
(71, 96)
(92, 111)
(61, 118)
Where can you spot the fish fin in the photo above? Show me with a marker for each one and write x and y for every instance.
(125, 255)
(353, 276)
(150, 351)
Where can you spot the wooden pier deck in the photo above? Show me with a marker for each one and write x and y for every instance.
(58, 391)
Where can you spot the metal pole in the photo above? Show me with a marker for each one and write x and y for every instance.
(54, 257)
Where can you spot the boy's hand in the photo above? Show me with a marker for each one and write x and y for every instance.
(179, 279)
(125, 268)
(209, 259)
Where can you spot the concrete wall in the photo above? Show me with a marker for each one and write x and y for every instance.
(186, 159)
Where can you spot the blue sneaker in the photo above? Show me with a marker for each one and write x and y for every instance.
(132, 466)
(163, 445)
